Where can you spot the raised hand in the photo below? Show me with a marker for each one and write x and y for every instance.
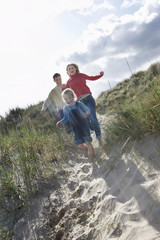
(102, 73)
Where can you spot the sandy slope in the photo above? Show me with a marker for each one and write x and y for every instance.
(115, 197)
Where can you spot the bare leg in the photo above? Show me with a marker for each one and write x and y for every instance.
(83, 147)
(91, 149)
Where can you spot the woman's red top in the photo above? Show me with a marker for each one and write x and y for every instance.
(77, 83)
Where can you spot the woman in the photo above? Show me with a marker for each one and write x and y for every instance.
(77, 82)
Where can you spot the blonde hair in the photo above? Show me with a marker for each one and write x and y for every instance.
(69, 91)
(74, 65)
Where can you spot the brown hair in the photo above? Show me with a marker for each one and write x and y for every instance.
(56, 75)
(73, 64)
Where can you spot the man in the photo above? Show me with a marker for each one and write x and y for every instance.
(54, 102)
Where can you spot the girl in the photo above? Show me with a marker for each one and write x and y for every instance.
(76, 114)
(77, 82)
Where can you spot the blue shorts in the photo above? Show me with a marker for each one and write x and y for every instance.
(82, 134)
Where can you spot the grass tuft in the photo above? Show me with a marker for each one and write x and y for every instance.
(135, 120)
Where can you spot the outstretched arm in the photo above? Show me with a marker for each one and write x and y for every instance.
(59, 124)
(48, 101)
(42, 112)
(92, 78)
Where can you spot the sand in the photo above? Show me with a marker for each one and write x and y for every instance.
(116, 196)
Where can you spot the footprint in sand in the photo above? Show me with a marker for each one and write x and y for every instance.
(117, 232)
(79, 192)
(72, 185)
(85, 169)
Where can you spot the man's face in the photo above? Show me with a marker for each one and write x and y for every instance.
(58, 80)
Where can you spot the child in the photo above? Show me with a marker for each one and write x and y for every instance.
(76, 114)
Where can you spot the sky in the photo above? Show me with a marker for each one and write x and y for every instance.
(40, 37)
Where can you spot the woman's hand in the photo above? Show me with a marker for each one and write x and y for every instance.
(102, 73)
(63, 86)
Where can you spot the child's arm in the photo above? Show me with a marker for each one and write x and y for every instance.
(86, 114)
(59, 124)
(84, 108)
(65, 118)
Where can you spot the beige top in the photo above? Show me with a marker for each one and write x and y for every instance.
(54, 96)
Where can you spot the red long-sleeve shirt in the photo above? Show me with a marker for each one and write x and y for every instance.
(77, 83)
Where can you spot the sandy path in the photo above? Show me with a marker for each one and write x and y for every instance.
(116, 197)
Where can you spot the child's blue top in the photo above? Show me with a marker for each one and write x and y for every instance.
(80, 106)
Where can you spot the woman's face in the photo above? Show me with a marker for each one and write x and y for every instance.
(71, 70)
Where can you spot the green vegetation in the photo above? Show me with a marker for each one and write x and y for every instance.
(29, 146)
(135, 107)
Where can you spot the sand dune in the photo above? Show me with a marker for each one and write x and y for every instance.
(115, 197)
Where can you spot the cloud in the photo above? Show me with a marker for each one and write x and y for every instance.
(113, 40)
(127, 4)
(34, 35)
(36, 11)
(96, 7)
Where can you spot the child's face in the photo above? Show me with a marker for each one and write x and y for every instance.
(58, 81)
(69, 99)
(71, 70)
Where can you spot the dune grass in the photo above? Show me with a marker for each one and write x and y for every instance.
(137, 85)
(135, 119)
(29, 146)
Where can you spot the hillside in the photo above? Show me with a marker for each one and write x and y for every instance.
(116, 197)
(51, 191)
(135, 86)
